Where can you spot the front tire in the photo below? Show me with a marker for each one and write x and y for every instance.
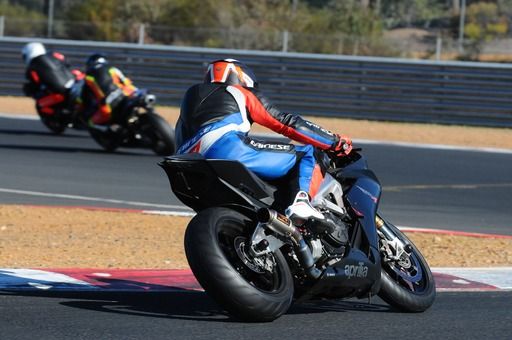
(160, 133)
(407, 284)
(107, 140)
(214, 245)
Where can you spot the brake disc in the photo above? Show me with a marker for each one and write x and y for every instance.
(254, 264)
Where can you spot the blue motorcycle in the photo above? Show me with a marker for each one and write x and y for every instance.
(255, 262)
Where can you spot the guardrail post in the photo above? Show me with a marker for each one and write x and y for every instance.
(142, 32)
(2, 25)
(439, 42)
(285, 41)
(51, 6)
(462, 18)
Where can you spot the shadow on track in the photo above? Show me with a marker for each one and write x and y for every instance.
(183, 304)
(72, 150)
(41, 133)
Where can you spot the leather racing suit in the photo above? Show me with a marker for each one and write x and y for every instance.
(215, 120)
(49, 81)
(106, 88)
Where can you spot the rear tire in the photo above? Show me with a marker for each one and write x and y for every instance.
(242, 288)
(53, 124)
(409, 290)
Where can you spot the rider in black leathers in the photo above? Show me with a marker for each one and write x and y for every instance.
(105, 91)
(50, 80)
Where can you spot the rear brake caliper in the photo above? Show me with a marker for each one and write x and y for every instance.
(256, 264)
(261, 243)
(258, 254)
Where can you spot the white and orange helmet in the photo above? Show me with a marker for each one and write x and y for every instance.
(230, 72)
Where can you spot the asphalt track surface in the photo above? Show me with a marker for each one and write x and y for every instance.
(458, 190)
(194, 316)
(447, 189)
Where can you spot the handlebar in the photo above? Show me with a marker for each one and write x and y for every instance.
(343, 161)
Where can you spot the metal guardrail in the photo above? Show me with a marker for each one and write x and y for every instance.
(323, 85)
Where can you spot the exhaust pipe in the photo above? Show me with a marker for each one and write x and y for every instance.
(282, 225)
(150, 99)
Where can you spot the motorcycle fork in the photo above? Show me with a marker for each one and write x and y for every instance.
(393, 248)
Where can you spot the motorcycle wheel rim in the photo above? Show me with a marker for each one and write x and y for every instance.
(407, 271)
(230, 236)
(410, 276)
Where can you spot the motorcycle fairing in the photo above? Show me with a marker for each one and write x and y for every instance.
(202, 183)
(354, 275)
(363, 196)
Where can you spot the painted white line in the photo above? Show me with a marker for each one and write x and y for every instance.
(102, 274)
(93, 199)
(20, 116)
(169, 213)
(418, 229)
(452, 232)
(39, 279)
(500, 277)
(461, 282)
(433, 146)
(446, 186)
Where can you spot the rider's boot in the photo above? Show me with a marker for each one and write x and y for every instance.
(301, 209)
(111, 128)
(98, 127)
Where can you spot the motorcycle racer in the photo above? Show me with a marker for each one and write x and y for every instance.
(50, 80)
(216, 117)
(106, 88)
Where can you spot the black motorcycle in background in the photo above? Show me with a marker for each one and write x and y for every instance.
(137, 126)
(254, 261)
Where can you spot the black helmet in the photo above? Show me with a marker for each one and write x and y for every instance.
(95, 60)
(230, 72)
